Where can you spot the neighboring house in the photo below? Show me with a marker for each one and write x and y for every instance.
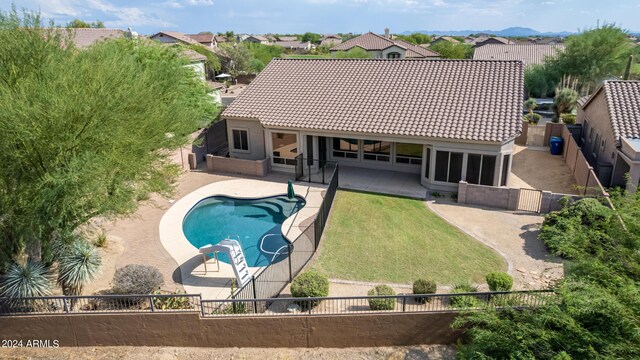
(85, 37)
(481, 41)
(444, 120)
(197, 62)
(444, 38)
(258, 39)
(205, 39)
(610, 138)
(529, 54)
(547, 41)
(331, 40)
(295, 45)
(383, 47)
(172, 37)
(220, 39)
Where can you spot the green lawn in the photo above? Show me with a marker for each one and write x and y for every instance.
(389, 239)
(294, 56)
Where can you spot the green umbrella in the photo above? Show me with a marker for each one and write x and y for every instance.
(290, 193)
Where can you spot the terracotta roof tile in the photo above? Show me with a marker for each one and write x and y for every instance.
(85, 37)
(529, 54)
(623, 100)
(201, 38)
(453, 99)
(176, 35)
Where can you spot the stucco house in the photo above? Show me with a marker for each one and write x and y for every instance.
(258, 39)
(529, 54)
(172, 37)
(384, 47)
(330, 40)
(205, 39)
(300, 46)
(610, 138)
(447, 120)
(481, 41)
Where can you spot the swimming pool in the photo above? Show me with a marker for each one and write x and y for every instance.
(257, 222)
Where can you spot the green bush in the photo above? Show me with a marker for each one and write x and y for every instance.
(536, 118)
(382, 304)
(463, 301)
(499, 281)
(171, 303)
(568, 118)
(422, 286)
(309, 284)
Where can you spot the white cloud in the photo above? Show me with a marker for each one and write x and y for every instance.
(200, 2)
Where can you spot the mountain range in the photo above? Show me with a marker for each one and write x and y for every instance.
(512, 31)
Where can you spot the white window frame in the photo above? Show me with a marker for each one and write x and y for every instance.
(298, 147)
(248, 140)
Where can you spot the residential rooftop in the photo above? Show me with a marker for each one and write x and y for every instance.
(454, 99)
(371, 41)
(623, 104)
(85, 37)
(529, 54)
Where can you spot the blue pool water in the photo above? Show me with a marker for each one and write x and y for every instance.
(218, 217)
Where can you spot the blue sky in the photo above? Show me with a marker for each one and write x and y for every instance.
(332, 16)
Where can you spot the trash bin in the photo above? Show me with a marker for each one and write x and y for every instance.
(555, 143)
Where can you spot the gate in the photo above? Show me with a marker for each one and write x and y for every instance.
(535, 135)
(530, 200)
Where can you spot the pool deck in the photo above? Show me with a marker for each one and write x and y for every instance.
(216, 282)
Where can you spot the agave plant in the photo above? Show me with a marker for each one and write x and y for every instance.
(79, 263)
(26, 280)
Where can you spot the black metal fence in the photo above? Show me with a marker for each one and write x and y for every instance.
(272, 279)
(100, 304)
(108, 304)
(377, 304)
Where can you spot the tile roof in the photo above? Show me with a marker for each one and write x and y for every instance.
(287, 38)
(85, 37)
(201, 38)
(623, 102)
(452, 99)
(176, 35)
(258, 37)
(529, 54)
(485, 40)
(294, 44)
(375, 42)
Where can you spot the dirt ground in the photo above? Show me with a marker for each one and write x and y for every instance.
(534, 167)
(144, 353)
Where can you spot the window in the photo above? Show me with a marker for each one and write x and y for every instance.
(285, 148)
(393, 55)
(505, 170)
(448, 166)
(376, 150)
(595, 147)
(409, 153)
(345, 148)
(240, 139)
(480, 169)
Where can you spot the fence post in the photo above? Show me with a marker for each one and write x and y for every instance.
(290, 267)
(201, 306)
(153, 307)
(404, 303)
(255, 294)
(586, 183)
(66, 305)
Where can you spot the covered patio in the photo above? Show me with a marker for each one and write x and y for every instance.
(381, 181)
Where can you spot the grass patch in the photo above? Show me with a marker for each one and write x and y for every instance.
(389, 239)
(298, 56)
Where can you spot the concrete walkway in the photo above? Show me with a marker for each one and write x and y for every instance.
(381, 182)
(513, 234)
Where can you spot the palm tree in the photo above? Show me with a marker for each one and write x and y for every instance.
(79, 263)
(29, 279)
(530, 104)
(564, 102)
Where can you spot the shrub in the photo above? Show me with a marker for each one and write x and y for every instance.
(536, 118)
(26, 280)
(463, 301)
(422, 286)
(136, 279)
(382, 304)
(101, 240)
(568, 118)
(499, 281)
(171, 303)
(309, 284)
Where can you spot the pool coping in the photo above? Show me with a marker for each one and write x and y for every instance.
(216, 283)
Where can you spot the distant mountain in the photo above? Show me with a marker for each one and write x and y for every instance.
(508, 32)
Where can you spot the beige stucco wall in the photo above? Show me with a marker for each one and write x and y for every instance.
(597, 116)
(189, 329)
(256, 139)
(391, 49)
